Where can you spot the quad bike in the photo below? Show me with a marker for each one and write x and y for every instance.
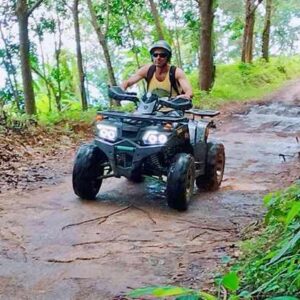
(149, 142)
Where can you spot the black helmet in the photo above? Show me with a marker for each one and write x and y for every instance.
(161, 44)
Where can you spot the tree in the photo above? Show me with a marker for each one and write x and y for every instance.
(43, 25)
(23, 12)
(207, 68)
(266, 31)
(79, 55)
(247, 50)
(101, 34)
(177, 43)
(156, 20)
(6, 55)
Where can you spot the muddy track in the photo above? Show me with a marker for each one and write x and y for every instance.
(54, 246)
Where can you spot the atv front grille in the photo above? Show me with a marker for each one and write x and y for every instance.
(129, 134)
(124, 159)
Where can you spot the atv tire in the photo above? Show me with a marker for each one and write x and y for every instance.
(87, 170)
(180, 181)
(215, 164)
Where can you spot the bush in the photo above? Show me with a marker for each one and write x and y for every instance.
(271, 262)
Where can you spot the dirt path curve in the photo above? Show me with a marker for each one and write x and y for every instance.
(54, 246)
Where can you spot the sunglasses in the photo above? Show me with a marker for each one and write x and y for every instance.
(162, 55)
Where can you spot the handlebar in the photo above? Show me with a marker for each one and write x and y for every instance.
(117, 93)
(176, 103)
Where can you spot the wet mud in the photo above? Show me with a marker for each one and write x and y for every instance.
(55, 246)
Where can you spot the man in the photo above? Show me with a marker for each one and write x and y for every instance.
(162, 79)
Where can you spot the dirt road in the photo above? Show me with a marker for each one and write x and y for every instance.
(54, 246)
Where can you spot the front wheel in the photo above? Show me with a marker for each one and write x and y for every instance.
(87, 170)
(180, 181)
(215, 165)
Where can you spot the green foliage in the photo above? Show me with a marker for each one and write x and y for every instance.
(128, 107)
(15, 121)
(238, 82)
(235, 28)
(67, 118)
(170, 291)
(231, 281)
(270, 265)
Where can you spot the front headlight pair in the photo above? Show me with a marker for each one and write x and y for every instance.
(150, 137)
(107, 132)
(153, 137)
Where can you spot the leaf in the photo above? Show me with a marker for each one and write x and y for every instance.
(231, 281)
(283, 298)
(188, 297)
(245, 294)
(267, 199)
(288, 246)
(159, 291)
(206, 296)
(142, 292)
(171, 291)
(294, 211)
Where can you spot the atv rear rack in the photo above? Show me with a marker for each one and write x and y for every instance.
(203, 113)
(150, 118)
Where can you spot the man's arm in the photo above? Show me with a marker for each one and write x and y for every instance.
(184, 83)
(139, 75)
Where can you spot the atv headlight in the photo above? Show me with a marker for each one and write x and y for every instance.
(107, 132)
(153, 137)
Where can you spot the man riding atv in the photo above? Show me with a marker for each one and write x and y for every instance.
(157, 140)
(162, 79)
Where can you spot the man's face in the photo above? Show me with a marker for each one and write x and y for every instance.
(160, 57)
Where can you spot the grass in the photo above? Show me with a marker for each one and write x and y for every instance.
(241, 82)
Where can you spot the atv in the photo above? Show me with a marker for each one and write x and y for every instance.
(149, 142)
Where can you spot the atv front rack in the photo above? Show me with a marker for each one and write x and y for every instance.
(150, 118)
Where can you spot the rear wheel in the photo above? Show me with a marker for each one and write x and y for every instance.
(87, 170)
(180, 181)
(215, 164)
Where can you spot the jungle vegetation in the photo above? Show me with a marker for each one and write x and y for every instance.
(57, 56)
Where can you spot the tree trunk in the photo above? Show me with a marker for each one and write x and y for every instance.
(156, 20)
(134, 47)
(177, 48)
(44, 77)
(266, 31)
(207, 68)
(103, 44)
(131, 35)
(22, 15)
(57, 57)
(48, 83)
(247, 51)
(79, 55)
